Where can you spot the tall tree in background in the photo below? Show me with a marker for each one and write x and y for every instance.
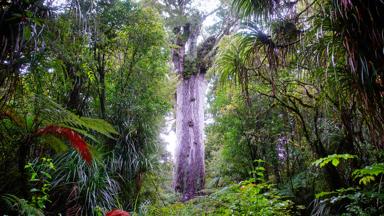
(21, 27)
(190, 170)
(191, 60)
(190, 65)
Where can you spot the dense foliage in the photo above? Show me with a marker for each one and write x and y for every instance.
(65, 72)
(296, 84)
(295, 106)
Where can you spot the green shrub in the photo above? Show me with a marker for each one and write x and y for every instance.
(251, 197)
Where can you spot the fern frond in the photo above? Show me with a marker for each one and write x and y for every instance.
(54, 142)
(74, 138)
(21, 205)
(368, 173)
(55, 114)
(100, 126)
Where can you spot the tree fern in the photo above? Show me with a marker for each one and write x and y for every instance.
(60, 122)
(53, 113)
(75, 139)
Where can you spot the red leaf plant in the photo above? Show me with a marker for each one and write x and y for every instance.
(117, 212)
(74, 138)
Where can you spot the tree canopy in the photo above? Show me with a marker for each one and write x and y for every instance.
(292, 122)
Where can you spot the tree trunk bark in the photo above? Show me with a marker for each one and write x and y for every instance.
(74, 102)
(190, 64)
(190, 169)
(102, 95)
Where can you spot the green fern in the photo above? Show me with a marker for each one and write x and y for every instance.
(368, 173)
(334, 159)
(55, 114)
(22, 206)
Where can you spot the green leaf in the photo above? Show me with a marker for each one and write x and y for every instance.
(27, 32)
(58, 145)
(335, 162)
(29, 14)
(46, 174)
(366, 180)
(334, 159)
(34, 190)
(33, 176)
(368, 173)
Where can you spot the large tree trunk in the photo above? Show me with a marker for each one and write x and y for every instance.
(190, 170)
(189, 167)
